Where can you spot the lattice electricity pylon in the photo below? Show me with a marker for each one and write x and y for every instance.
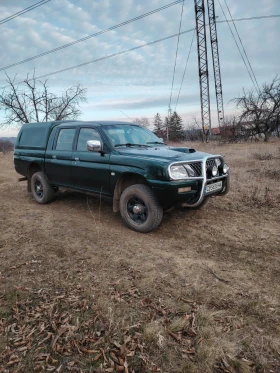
(216, 60)
(202, 64)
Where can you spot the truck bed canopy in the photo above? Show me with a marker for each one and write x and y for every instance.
(35, 135)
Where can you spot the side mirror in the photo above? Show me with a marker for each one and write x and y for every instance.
(94, 146)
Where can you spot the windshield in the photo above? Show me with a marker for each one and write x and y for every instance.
(130, 135)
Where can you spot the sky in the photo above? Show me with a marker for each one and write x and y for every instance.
(137, 83)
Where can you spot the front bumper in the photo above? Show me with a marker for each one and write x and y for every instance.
(223, 191)
(168, 194)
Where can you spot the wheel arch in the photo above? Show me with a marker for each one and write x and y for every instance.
(124, 181)
(32, 169)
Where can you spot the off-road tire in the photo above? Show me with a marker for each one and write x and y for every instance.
(41, 189)
(152, 214)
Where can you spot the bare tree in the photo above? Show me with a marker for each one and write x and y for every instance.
(230, 130)
(196, 132)
(31, 101)
(143, 121)
(260, 110)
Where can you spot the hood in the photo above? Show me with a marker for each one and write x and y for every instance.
(163, 153)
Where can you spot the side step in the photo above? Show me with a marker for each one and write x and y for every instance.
(22, 179)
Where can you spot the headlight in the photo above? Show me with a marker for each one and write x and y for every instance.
(178, 172)
(214, 171)
(218, 162)
(225, 168)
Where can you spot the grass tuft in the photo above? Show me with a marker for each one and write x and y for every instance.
(153, 334)
(263, 156)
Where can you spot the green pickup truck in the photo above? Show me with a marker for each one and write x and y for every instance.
(120, 160)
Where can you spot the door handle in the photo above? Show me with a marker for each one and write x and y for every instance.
(77, 159)
(54, 156)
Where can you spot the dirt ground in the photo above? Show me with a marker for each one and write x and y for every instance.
(80, 292)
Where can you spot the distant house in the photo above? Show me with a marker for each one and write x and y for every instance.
(215, 133)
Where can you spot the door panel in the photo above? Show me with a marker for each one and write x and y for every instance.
(58, 167)
(58, 158)
(90, 170)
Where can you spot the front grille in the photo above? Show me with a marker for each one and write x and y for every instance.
(210, 163)
(197, 168)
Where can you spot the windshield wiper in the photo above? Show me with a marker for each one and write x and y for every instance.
(130, 144)
(156, 142)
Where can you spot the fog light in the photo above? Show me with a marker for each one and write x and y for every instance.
(225, 168)
(184, 190)
(214, 170)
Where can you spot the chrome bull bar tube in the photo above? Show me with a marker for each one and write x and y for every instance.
(204, 181)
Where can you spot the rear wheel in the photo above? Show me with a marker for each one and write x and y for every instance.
(139, 208)
(42, 190)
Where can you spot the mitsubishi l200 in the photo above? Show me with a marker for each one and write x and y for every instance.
(120, 160)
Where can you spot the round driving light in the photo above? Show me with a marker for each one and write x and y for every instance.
(225, 168)
(214, 171)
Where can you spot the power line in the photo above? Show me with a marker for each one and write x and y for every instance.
(20, 12)
(100, 32)
(28, 9)
(114, 54)
(138, 47)
(33, 19)
(127, 116)
(185, 70)
(93, 35)
(251, 18)
(175, 62)
(238, 47)
(252, 71)
(74, 2)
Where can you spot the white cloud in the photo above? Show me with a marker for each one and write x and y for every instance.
(139, 80)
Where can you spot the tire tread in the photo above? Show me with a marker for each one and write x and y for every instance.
(157, 209)
(47, 187)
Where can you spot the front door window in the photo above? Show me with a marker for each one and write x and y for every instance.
(85, 135)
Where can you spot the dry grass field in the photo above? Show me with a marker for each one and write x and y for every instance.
(79, 292)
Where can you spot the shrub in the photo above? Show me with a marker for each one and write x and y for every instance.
(263, 156)
(6, 146)
(273, 174)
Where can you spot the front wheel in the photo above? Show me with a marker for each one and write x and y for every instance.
(42, 190)
(139, 208)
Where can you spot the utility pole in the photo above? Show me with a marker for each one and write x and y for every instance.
(216, 61)
(202, 65)
(167, 123)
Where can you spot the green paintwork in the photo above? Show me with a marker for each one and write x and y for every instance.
(99, 172)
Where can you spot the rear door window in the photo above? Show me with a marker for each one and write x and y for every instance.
(85, 135)
(65, 139)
